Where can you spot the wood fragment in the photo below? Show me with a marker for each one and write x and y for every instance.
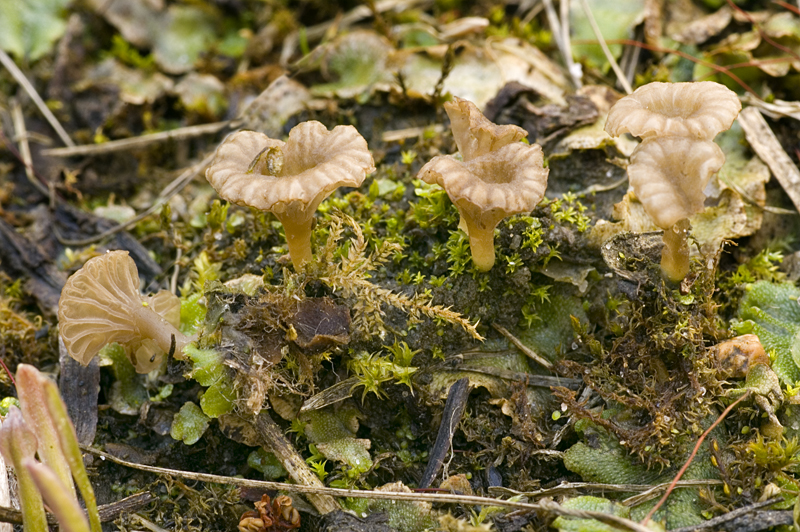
(137, 142)
(527, 351)
(79, 387)
(745, 519)
(769, 149)
(451, 417)
(332, 394)
(272, 439)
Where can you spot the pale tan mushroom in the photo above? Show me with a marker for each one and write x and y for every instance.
(498, 176)
(668, 175)
(476, 135)
(700, 110)
(101, 304)
(290, 179)
(676, 159)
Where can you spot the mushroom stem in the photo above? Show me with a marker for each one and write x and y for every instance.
(481, 244)
(298, 238)
(152, 325)
(675, 255)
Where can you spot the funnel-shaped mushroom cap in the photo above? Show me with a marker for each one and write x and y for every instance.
(508, 181)
(698, 110)
(96, 305)
(497, 178)
(669, 175)
(289, 178)
(476, 135)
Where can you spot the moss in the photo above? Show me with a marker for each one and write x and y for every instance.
(602, 459)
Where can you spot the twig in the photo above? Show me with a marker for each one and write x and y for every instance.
(173, 188)
(527, 351)
(599, 34)
(137, 142)
(596, 487)
(555, 27)
(683, 469)
(108, 512)
(24, 153)
(272, 438)
(26, 85)
(761, 31)
(448, 498)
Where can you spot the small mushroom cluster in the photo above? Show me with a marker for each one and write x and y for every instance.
(677, 156)
(497, 176)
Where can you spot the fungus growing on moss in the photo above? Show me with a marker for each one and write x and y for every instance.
(498, 176)
(675, 161)
(101, 304)
(290, 179)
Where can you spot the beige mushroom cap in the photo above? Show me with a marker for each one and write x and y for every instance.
(669, 174)
(698, 110)
(507, 181)
(101, 304)
(476, 135)
(95, 305)
(292, 177)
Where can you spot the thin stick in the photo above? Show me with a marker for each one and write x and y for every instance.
(527, 351)
(543, 506)
(137, 142)
(599, 34)
(21, 132)
(683, 469)
(173, 282)
(555, 27)
(26, 85)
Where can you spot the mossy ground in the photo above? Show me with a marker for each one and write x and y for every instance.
(391, 255)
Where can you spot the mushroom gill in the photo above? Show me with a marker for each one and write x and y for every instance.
(101, 304)
(498, 176)
(290, 179)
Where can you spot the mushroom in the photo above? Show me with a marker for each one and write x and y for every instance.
(290, 179)
(100, 304)
(673, 164)
(498, 176)
(700, 110)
